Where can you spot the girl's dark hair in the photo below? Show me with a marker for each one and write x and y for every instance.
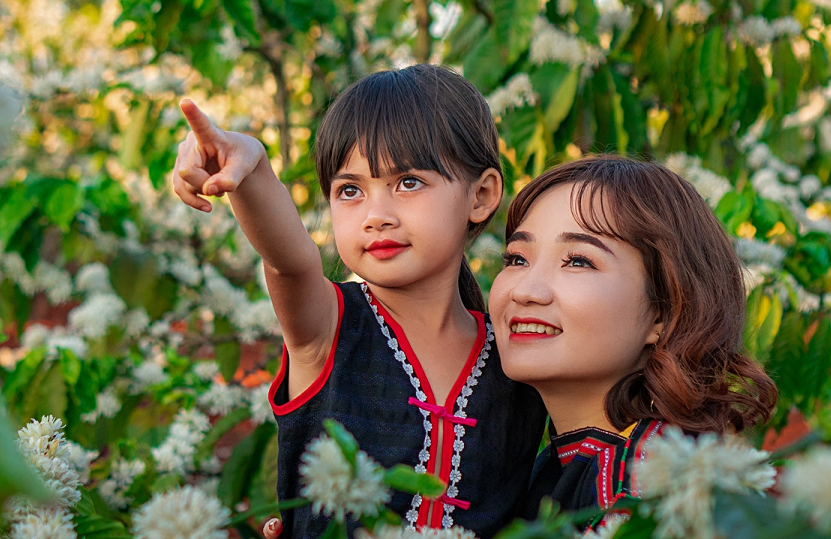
(698, 376)
(424, 117)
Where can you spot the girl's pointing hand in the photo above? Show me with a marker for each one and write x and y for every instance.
(211, 161)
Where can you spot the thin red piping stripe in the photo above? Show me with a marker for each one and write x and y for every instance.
(319, 382)
(623, 462)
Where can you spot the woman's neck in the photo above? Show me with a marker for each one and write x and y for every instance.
(576, 405)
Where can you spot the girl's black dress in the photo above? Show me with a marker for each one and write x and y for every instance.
(374, 385)
(590, 467)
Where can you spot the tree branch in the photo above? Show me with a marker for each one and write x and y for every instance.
(423, 41)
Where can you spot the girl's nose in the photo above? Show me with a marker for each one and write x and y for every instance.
(533, 288)
(380, 215)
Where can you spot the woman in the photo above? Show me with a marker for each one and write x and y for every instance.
(622, 303)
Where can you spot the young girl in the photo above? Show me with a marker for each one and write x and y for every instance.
(409, 161)
(622, 303)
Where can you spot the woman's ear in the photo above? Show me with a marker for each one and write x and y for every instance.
(656, 334)
(486, 194)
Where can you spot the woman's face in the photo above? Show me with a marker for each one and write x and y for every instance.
(570, 306)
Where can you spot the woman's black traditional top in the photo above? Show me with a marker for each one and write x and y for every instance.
(590, 467)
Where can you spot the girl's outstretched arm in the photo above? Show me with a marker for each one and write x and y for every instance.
(213, 162)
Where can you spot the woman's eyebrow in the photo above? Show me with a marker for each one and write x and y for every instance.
(577, 237)
(526, 237)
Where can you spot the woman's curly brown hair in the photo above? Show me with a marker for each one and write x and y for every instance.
(698, 376)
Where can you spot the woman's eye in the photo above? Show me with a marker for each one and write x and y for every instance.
(348, 192)
(410, 184)
(512, 259)
(577, 261)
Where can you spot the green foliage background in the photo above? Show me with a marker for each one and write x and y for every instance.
(733, 94)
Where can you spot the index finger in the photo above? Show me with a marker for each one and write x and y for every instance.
(201, 125)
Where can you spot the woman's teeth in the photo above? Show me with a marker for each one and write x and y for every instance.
(535, 328)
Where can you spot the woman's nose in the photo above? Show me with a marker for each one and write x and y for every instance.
(533, 288)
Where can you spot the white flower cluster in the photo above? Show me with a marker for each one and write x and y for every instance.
(613, 14)
(48, 278)
(44, 446)
(757, 31)
(328, 480)
(148, 373)
(550, 44)
(182, 514)
(393, 532)
(80, 459)
(759, 253)
(689, 13)
(250, 318)
(681, 472)
(106, 405)
(518, 92)
(115, 487)
(206, 370)
(805, 487)
(178, 449)
(221, 398)
(260, 407)
(231, 47)
(100, 311)
(709, 185)
(54, 339)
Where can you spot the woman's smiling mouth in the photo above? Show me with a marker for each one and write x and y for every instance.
(528, 328)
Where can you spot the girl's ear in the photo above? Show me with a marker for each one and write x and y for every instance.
(486, 194)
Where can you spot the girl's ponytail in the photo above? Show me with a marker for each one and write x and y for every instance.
(469, 289)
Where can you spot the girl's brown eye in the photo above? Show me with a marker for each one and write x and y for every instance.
(348, 192)
(410, 184)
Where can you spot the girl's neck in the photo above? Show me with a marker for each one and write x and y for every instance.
(576, 405)
(435, 303)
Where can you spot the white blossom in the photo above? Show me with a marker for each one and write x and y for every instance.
(34, 336)
(96, 314)
(80, 459)
(113, 489)
(206, 370)
(786, 27)
(106, 405)
(176, 453)
(767, 185)
(681, 473)
(805, 487)
(809, 186)
(613, 14)
(46, 523)
(689, 13)
(220, 399)
(60, 340)
(56, 282)
(147, 374)
(181, 514)
(709, 185)
(516, 93)
(549, 44)
(755, 252)
(260, 407)
(756, 31)
(230, 48)
(45, 437)
(327, 480)
(93, 277)
(136, 321)
(255, 319)
(12, 264)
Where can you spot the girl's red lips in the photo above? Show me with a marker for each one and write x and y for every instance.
(385, 249)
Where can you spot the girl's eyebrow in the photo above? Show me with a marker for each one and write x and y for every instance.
(347, 176)
(526, 237)
(577, 237)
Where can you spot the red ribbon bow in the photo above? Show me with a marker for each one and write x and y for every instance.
(461, 504)
(441, 411)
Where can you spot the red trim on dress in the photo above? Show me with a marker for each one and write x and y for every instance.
(447, 448)
(319, 382)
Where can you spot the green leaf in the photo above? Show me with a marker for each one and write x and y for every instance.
(23, 372)
(63, 204)
(753, 516)
(17, 207)
(817, 360)
(384, 518)
(405, 479)
(98, 527)
(347, 443)
(335, 530)
(514, 21)
(238, 472)
(637, 527)
(227, 354)
(220, 429)
(70, 366)
(484, 66)
(245, 19)
(167, 20)
(16, 476)
(557, 87)
(269, 509)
